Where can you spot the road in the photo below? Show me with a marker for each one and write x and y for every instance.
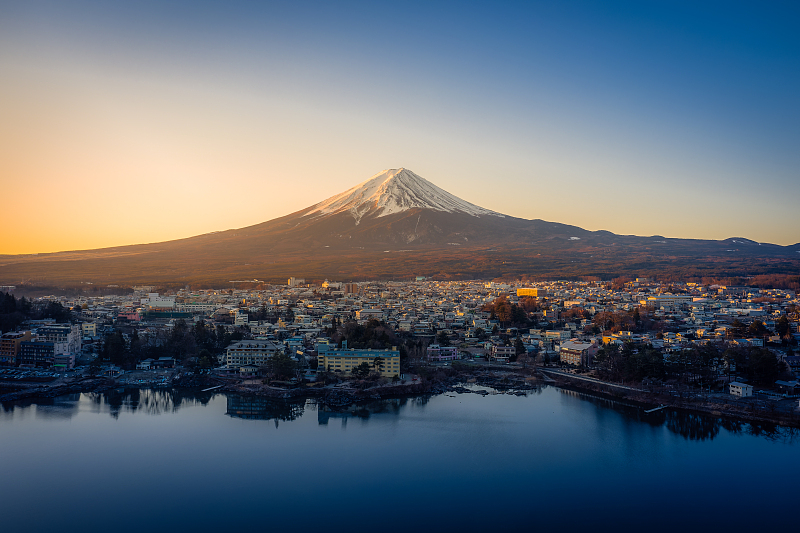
(587, 379)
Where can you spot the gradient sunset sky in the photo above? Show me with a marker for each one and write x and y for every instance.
(133, 122)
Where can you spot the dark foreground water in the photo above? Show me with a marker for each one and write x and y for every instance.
(157, 461)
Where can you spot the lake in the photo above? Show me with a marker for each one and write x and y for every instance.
(158, 460)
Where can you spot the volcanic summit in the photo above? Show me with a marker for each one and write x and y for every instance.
(394, 191)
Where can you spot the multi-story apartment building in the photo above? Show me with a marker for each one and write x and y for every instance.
(63, 363)
(436, 352)
(577, 353)
(669, 300)
(362, 315)
(351, 288)
(194, 307)
(531, 291)
(156, 302)
(344, 360)
(10, 345)
(502, 353)
(65, 338)
(36, 354)
(557, 335)
(250, 352)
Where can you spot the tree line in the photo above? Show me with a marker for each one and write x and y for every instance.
(14, 312)
(698, 365)
(194, 345)
(513, 314)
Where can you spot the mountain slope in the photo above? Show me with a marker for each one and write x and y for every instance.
(393, 225)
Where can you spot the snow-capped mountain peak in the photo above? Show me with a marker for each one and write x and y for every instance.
(394, 191)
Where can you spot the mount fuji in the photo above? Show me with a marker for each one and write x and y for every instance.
(394, 191)
(392, 226)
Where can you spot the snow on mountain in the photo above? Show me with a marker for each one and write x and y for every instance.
(394, 191)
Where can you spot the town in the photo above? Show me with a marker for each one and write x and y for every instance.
(683, 340)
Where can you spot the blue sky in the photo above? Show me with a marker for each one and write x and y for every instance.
(670, 118)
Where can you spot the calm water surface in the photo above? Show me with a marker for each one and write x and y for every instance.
(157, 461)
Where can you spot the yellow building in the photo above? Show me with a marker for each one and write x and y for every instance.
(344, 360)
(609, 339)
(531, 291)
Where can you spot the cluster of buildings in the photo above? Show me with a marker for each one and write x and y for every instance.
(46, 345)
(446, 316)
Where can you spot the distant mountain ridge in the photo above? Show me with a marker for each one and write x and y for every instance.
(394, 225)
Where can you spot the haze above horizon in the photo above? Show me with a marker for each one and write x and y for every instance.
(125, 124)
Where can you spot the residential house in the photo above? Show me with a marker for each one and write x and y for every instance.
(742, 390)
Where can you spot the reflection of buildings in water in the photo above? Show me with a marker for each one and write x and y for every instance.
(362, 411)
(598, 400)
(259, 408)
(158, 401)
(62, 407)
(692, 426)
(695, 426)
(113, 402)
(116, 401)
(147, 401)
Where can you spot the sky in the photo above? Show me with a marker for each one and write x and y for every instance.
(136, 122)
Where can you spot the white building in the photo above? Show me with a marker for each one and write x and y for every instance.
(154, 301)
(195, 307)
(240, 317)
(742, 390)
(502, 353)
(66, 338)
(250, 353)
(667, 300)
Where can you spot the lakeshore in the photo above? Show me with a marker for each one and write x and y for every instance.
(467, 379)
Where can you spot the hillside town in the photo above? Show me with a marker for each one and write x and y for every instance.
(736, 340)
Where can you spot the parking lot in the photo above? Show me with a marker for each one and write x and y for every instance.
(24, 374)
